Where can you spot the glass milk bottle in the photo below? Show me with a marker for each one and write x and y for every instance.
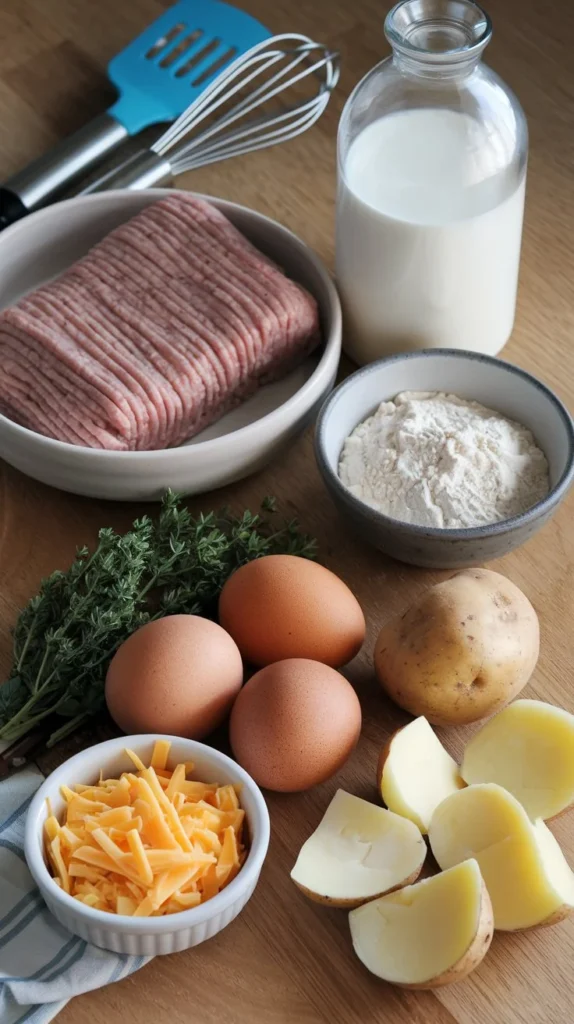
(432, 153)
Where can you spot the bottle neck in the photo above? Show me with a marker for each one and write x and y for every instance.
(418, 67)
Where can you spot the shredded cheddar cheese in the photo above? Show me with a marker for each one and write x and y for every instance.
(152, 842)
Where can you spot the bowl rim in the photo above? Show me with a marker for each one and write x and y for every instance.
(150, 925)
(332, 341)
(502, 526)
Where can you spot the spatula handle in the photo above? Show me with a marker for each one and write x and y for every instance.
(34, 186)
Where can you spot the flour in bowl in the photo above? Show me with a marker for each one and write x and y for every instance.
(437, 460)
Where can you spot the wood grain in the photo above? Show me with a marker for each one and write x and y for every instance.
(286, 960)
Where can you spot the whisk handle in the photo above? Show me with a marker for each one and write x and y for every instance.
(34, 186)
(143, 170)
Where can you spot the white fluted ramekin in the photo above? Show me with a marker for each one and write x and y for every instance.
(147, 936)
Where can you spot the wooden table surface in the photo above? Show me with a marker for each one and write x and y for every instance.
(286, 960)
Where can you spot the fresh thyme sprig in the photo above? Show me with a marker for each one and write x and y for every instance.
(65, 636)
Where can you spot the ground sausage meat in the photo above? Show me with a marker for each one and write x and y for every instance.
(164, 326)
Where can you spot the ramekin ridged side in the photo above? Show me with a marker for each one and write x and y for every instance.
(147, 944)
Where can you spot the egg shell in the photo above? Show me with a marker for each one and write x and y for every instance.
(294, 724)
(283, 606)
(177, 675)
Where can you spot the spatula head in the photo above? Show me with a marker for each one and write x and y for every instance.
(171, 62)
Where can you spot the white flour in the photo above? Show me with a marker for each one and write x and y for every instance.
(439, 460)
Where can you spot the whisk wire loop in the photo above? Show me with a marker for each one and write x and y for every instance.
(258, 80)
(236, 78)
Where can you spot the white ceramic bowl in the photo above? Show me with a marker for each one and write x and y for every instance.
(494, 383)
(41, 246)
(147, 936)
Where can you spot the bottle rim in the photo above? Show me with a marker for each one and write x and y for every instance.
(438, 31)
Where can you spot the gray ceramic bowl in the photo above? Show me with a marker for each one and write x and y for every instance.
(492, 382)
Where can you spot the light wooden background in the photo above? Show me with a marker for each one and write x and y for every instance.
(286, 961)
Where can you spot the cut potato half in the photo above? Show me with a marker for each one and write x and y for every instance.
(429, 934)
(357, 852)
(529, 749)
(415, 773)
(524, 869)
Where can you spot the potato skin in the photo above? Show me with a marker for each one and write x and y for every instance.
(383, 760)
(474, 955)
(556, 918)
(463, 650)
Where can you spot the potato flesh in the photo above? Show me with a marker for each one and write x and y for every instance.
(418, 773)
(419, 933)
(358, 851)
(524, 869)
(529, 749)
(556, 865)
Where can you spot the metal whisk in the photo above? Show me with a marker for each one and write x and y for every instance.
(266, 72)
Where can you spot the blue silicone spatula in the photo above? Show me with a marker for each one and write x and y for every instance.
(157, 76)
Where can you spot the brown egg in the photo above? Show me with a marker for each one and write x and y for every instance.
(282, 606)
(177, 675)
(294, 724)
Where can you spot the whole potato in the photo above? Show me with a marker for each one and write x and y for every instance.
(460, 652)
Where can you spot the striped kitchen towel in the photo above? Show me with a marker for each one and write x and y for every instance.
(41, 964)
